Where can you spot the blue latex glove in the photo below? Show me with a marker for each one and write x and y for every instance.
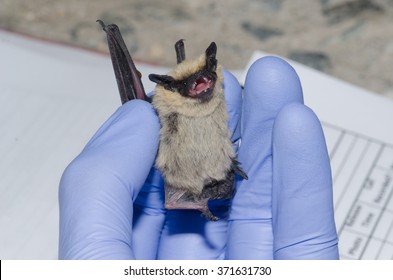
(100, 187)
(97, 190)
(285, 209)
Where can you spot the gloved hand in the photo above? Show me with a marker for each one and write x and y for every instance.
(289, 197)
(107, 209)
(285, 209)
(98, 188)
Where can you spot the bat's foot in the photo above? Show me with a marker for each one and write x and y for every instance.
(209, 215)
(238, 170)
(192, 206)
(179, 199)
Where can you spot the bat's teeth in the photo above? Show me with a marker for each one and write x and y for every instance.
(201, 85)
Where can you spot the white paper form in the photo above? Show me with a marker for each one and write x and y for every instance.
(358, 129)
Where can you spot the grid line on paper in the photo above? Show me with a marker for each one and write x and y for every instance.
(343, 162)
(356, 198)
(382, 240)
(353, 173)
(378, 219)
(385, 240)
(337, 143)
(362, 173)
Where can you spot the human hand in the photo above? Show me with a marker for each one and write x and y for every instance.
(96, 196)
(109, 211)
(285, 209)
(98, 188)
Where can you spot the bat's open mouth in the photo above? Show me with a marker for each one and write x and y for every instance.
(201, 86)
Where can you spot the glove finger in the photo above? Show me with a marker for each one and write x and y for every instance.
(303, 218)
(271, 83)
(149, 216)
(188, 235)
(98, 187)
(234, 100)
(126, 145)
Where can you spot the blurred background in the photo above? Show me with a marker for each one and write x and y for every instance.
(349, 39)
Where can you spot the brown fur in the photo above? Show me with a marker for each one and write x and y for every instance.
(195, 148)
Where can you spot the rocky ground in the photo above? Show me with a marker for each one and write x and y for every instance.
(349, 39)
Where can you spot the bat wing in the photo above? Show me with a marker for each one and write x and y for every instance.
(127, 76)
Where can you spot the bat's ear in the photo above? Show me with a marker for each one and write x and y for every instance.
(180, 52)
(163, 80)
(211, 61)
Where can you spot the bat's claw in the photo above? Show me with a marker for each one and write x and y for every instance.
(209, 215)
(102, 24)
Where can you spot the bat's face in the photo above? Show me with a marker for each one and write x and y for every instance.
(192, 79)
(198, 85)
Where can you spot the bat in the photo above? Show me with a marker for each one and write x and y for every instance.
(195, 155)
